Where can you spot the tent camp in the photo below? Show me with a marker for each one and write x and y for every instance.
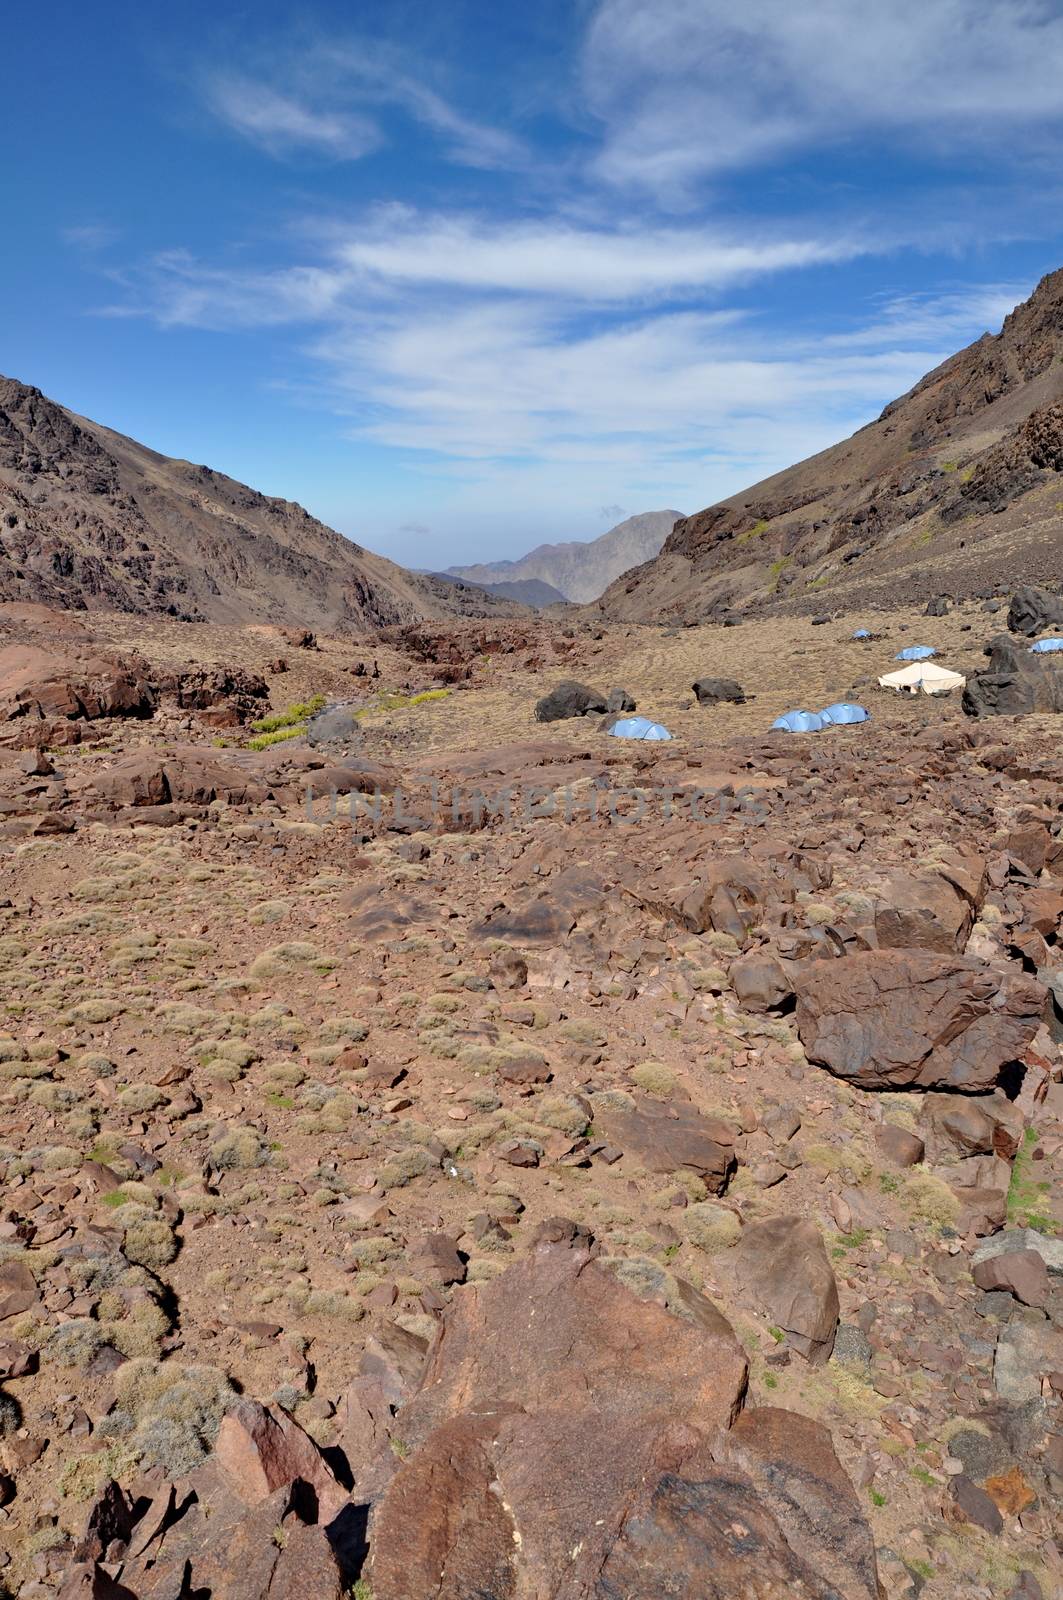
(1045, 647)
(844, 711)
(799, 722)
(916, 652)
(638, 728)
(923, 677)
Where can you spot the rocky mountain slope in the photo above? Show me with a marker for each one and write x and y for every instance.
(92, 520)
(581, 571)
(957, 487)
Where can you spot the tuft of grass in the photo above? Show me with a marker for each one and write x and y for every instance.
(299, 711)
(262, 741)
(1025, 1193)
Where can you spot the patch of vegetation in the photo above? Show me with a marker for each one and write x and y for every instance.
(776, 570)
(298, 712)
(751, 533)
(1025, 1193)
(262, 741)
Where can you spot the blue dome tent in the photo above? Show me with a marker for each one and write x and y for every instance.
(638, 728)
(799, 722)
(862, 633)
(844, 711)
(1044, 647)
(916, 652)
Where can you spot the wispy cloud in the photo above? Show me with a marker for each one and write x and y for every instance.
(490, 350)
(281, 123)
(90, 236)
(687, 88)
(329, 100)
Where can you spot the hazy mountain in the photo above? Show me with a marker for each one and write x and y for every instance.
(581, 570)
(526, 591)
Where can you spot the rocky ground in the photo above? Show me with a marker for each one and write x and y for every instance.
(644, 1183)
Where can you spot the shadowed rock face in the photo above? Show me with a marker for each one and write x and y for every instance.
(1015, 683)
(563, 1439)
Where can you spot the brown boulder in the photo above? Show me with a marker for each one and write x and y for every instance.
(791, 1462)
(181, 774)
(784, 1266)
(760, 982)
(899, 1145)
(671, 1138)
(71, 684)
(563, 1444)
(728, 894)
(1021, 1273)
(552, 1395)
(922, 912)
(260, 1451)
(914, 1019)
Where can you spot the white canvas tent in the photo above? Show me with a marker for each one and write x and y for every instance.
(923, 676)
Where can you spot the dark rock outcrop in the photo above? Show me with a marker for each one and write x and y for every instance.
(913, 1019)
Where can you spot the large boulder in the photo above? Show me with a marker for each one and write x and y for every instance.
(710, 691)
(225, 696)
(1033, 611)
(562, 1443)
(728, 894)
(1015, 683)
(913, 1019)
(922, 910)
(673, 1138)
(783, 1266)
(180, 775)
(569, 699)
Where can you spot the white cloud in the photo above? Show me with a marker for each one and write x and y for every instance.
(687, 88)
(593, 264)
(516, 356)
(281, 123)
(324, 100)
(90, 236)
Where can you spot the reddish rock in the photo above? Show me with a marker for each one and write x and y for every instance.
(260, 1451)
(18, 1289)
(922, 912)
(185, 774)
(972, 1504)
(1019, 1272)
(783, 1266)
(760, 982)
(791, 1463)
(552, 1395)
(915, 1019)
(434, 1258)
(899, 1145)
(667, 1138)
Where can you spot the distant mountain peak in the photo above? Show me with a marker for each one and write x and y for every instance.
(580, 570)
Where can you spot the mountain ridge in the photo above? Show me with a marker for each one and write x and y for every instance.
(954, 487)
(93, 520)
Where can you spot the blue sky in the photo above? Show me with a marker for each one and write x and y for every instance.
(464, 276)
